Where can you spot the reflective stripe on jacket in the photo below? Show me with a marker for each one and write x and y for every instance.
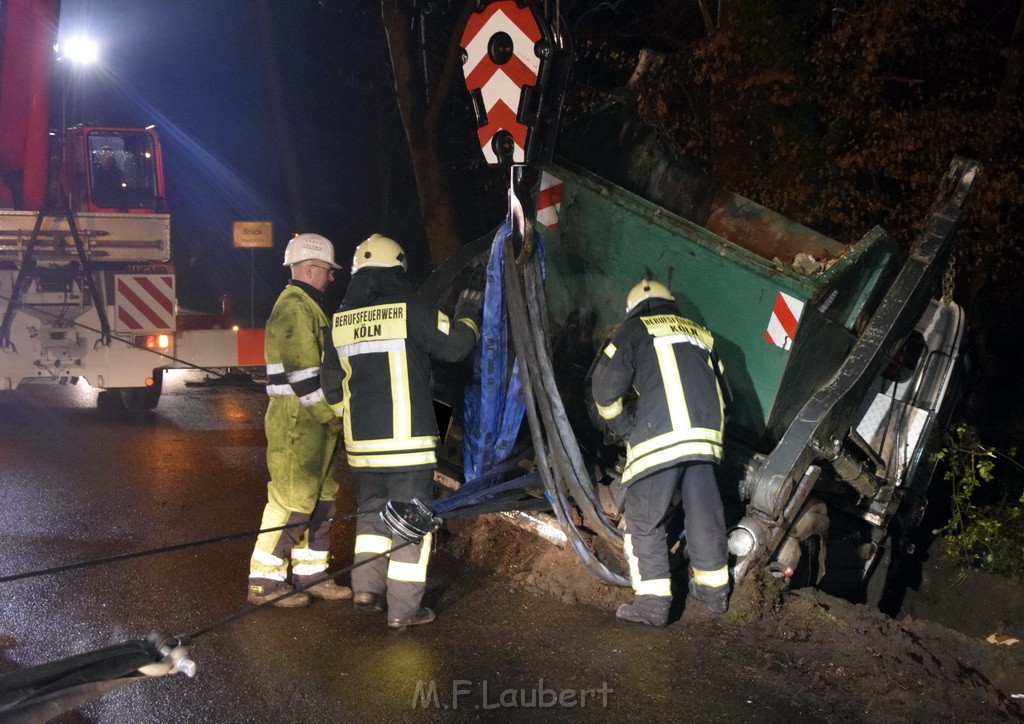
(671, 364)
(377, 374)
(294, 347)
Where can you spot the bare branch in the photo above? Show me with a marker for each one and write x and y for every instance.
(708, 22)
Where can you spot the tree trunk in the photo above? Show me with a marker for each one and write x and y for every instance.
(709, 24)
(420, 119)
(278, 105)
(1014, 63)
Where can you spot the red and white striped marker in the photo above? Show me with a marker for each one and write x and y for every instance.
(501, 85)
(783, 323)
(549, 200)
(144, 301)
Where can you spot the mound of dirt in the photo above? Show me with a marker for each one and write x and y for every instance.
(532, 564)
(850, 657)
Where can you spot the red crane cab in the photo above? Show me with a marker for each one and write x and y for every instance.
(114, 170)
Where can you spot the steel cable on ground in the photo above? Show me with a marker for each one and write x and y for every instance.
(193, 635)
(166, 549)
(487, 505)
(93, 673)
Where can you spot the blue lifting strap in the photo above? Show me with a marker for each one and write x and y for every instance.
(493, 405)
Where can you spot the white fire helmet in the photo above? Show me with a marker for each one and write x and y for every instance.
(309, 247)
(647, 289)
(379, 252)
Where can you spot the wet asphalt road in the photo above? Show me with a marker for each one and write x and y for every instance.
(80, 483)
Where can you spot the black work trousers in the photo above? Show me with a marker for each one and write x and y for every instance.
(403, 574)
(648, 505)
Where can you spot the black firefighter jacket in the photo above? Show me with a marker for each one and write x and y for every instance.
(376, 370)
(671, 364)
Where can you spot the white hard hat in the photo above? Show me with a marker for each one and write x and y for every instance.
(647, 289)
(307, 247)
(380, 252)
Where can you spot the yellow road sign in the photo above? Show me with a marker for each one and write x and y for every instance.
(254, 234)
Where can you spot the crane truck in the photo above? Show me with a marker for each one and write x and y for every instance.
(87, 281)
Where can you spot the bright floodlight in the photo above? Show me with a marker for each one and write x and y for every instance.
(80, 49)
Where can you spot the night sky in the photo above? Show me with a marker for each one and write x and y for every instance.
(268, 111)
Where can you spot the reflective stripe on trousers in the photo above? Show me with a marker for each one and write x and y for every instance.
(652, 587)
(302, 488)
(648, 505)
(402, 575)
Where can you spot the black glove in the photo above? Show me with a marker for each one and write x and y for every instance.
(470, 306)
(622, 425)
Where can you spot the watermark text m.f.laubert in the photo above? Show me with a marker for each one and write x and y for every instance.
(484, 694)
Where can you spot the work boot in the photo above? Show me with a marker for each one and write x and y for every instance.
(260, 594)
(329, 591)
(715, 599)
(631, 612)
(648, 610)
(424, 615)
(369, 601)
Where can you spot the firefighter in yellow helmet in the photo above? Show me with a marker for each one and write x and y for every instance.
(302, 435)
(377, 378)
(674, 441)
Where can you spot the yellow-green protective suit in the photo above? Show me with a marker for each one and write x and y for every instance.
(300, 447)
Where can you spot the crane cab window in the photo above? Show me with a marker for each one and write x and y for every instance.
(122, 170)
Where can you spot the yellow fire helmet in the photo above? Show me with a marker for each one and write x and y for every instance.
(379, 252)
(647, 289)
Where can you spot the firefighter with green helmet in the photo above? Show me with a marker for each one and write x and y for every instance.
(302, 434)
(376, 376)
(674, 442)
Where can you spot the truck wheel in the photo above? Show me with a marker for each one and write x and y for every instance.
(142, 398)
(139, 398)
(109, 400)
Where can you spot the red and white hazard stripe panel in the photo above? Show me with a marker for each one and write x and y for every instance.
(549, 200)
(783, 323)
(144, 302)
(501, 85)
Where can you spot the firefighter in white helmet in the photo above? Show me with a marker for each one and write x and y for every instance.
(302, 434)
(376, 376)
(674, 442)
